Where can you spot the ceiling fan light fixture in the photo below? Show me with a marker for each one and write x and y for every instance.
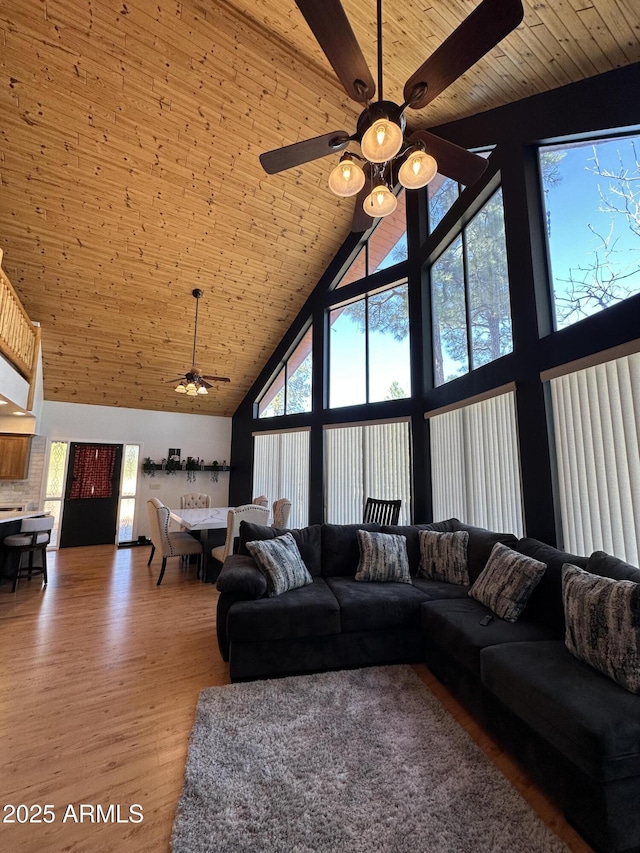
(180, 389)
(382, 141)
(380, 202)
(347, 178)
(202, 390)
(418, 170)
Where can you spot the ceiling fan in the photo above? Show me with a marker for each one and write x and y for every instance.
(193, 382)
(381, 127)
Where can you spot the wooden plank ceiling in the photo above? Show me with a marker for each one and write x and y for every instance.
(129, 140)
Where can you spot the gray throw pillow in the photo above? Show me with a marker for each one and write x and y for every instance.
(507, 581)
(603, 624)
(383, 557)
(443, 556)
(281, 563)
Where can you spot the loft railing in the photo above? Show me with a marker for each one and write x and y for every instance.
(19, 338)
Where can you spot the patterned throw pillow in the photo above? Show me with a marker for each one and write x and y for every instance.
(281, 563)
(443, 556)
(383, 557)
(603, 624)
(507, 581)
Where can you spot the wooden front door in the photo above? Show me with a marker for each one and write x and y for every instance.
(90, 512)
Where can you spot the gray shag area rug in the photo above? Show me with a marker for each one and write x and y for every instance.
(344, 762)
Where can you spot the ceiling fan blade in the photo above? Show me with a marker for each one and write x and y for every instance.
(453, 161)
(333, 33)
(173, 381)
(303, 152)
(488, 24)
(215, 378)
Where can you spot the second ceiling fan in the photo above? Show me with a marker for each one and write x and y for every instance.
(381, 129)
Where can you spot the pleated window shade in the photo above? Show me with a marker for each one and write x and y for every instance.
(475, 465)
(367, 461)
(281, 470)
(596, 417)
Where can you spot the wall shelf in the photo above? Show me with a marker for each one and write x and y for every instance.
(181, 469)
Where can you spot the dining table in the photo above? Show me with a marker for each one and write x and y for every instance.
(209, 524)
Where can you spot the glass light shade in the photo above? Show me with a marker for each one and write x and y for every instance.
(181, 389)
(417, 170)
(191, 392)
(380, 202)
(202, 390)
(382, 141)
(347, 178)
(191, 387)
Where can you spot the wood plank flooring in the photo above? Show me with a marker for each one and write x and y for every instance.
(99, 677)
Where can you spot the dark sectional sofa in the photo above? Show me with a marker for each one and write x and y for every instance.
(576, 731)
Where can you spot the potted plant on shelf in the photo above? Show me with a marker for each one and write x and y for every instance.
(171, 465)
(193, 465)
(148, 467)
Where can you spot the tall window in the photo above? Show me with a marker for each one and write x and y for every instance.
(596, 417)
(367, 461)
(369, 349)
(475, 465)
(54, 485)
(128, 487)
(281, 470)
(290, 392)
(592, 215)
(470, 297)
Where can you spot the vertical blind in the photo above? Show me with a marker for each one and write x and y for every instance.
(475, 465)
(596, 417)
(367, 461)
(281, 470)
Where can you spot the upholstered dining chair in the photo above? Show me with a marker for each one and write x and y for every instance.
(195, 500)
(247, 512)
(262, 500)
(381, 512)
(169, 544)
(34, 535)
(281, 510)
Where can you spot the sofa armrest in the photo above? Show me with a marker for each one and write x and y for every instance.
(241, 577)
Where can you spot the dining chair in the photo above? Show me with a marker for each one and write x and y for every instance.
(34, 535)
(262, 500)
(281, 510)
(168, 543)
(195, 500)
(247, 512)
(381, 511)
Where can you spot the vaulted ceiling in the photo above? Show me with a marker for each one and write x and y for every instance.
(129, 139)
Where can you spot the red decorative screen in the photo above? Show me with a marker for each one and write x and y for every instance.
(92, 471)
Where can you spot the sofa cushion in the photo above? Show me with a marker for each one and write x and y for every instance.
(411, 532)
(307, 540)
(383, 558)
(603, 624)
(376, 606)
(443, 556)
(281, 563)
(453, 625)
(545, 603)
(600, 563)
(506, 582)
(440, 589)
(587, 717)
(481, 542)
(340, 549)
(309, 611)
(241, 577)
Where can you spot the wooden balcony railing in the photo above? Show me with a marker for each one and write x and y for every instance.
(19, 338)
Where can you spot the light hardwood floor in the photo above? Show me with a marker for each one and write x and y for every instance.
(100, 674)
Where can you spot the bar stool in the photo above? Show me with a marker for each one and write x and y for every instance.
(35, 535)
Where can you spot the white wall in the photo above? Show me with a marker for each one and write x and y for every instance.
(205, 436)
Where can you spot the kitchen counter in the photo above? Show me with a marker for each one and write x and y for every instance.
(11, 515)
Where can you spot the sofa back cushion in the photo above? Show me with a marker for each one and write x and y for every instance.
(340, 548)
(481, 542)
(307, 539)
(545, 604)
(607, 566)
(411, 532)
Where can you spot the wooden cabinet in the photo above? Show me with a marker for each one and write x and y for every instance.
(14, 456)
